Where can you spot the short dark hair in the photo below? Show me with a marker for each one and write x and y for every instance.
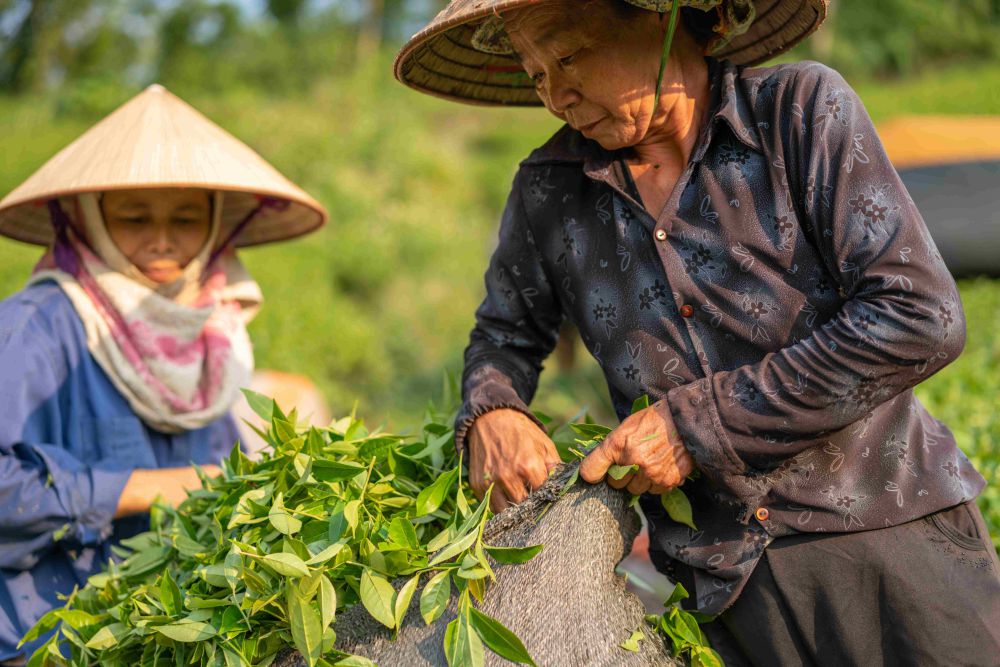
(700, 24)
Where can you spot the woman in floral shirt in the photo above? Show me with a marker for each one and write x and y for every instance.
(734, 243)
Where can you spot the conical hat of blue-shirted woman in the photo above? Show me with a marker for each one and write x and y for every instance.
(156, 140)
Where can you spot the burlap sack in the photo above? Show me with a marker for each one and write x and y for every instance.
(567, 604)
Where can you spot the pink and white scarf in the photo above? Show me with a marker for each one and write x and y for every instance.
(178, 352)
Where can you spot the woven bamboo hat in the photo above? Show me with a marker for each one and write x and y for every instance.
(156, 140)
(447, 58)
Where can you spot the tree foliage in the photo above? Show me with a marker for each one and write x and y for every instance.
(210, 43)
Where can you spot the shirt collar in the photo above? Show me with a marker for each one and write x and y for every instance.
(728, 105)
(731, 105)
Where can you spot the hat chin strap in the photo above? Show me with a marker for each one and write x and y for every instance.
(668, 41)
(186, 287)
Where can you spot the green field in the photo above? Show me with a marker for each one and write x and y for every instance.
(377, 306)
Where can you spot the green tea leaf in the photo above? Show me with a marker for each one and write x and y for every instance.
(286, 564)
(76, 618)
(377, 595)
(511, 555)
(678, 626)
(306, 626)
(403, 599)
(335, 471)
(431, 497)
(502, 641)
(704, 656)
(351, 510)
(377, 447)
(279, 517)
(46, 623)
(632, 643)
(640, 403)
(678, 507)
(693, 626)
(186, 631)
(542, 417)
(145, 561)
(435, 597)
(327, 601)
(48, 653)
(262, 406)
(618, 472)
(402, 533)
(455, 548)
(590, 431)
(571, 481)
(462, 646)
(107, 637)
(354, 661)
(679, 593)
(327, 553)
(245, 511)
(170, 595)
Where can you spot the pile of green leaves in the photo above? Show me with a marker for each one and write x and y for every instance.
(684, 632)
(264, 556)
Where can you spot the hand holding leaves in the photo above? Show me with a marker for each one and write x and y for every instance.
(648, 442)
(510, 452)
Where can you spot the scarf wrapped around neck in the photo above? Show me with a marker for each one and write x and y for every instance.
(178, 352)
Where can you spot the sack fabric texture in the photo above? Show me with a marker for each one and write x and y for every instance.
(567, 604)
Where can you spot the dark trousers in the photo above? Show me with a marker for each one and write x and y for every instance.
(923, 593)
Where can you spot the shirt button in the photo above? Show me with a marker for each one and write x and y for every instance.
(762, 514)
(687, 310)
(661, 235)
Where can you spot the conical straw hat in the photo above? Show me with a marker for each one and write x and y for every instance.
(156, 140)
(442, 61)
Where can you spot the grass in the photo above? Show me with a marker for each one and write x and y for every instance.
(376, 306)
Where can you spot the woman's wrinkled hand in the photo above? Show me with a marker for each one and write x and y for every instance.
(509, 451)
(647, 439)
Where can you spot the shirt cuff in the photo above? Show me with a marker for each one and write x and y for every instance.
(696, 417)
(692, 407)
(492, 394)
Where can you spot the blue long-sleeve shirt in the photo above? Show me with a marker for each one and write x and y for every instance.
(68, 443)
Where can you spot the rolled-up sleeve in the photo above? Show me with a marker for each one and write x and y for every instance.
(47, 494)
(516, 327)
(900, 321)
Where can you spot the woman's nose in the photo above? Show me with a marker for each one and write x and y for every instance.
(562, 94)
(163, 238)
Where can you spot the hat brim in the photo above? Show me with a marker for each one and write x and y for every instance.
(156, 140)
(29, 221)
(441, 61)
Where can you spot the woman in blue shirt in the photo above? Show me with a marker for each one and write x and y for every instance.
(121, 358)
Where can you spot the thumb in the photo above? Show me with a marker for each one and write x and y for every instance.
(595, 465)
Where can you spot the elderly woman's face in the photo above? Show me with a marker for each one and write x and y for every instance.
(592, 68)
(159, 230)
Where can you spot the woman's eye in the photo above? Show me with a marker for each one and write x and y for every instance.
(537, 78)
(567, 60)
(136, 220)
(187, 221)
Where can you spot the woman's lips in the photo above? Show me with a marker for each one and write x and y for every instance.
(162, 273)
(589, 126)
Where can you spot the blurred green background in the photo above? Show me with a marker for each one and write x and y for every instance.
(377, 306)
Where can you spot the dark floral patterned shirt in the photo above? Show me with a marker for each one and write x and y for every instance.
(782, 307)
